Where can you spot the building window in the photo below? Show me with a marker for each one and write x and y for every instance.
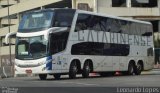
(84, 6)
(144, 3)
(118, 3)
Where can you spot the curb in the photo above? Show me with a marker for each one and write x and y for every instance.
(145, 72)
(153, 72)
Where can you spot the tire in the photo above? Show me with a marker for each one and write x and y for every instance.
(43, 76)
(139, 69)
(57, 76)
(86, 70)
(131, 69)
(73, 70)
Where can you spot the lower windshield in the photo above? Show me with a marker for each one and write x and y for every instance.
(31, 47)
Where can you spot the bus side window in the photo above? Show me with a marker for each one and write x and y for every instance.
(124, 26)
(150, 52)
(58, 41)
(137, 28)
(63, 19)
(114, 25)
(98, 23)
(83, 22)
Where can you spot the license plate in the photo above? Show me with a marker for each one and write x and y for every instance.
(29, 71)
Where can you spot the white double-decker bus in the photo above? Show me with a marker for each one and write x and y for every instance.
(67, 41)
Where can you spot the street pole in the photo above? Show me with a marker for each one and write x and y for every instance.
(128, 3)
(9, 22)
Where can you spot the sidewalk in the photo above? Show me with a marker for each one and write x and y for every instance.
(155, 71)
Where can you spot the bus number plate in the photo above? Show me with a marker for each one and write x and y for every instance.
(29, 71)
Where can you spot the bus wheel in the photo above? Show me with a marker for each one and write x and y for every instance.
(43, 76)
(139, 68)
(57, 76)
(131, 69)
(86, 70)
(73, 70)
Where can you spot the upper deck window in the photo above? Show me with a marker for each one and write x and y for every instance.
(36, 21)
(63, 18)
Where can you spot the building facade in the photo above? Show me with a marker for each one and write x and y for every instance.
(12, 10)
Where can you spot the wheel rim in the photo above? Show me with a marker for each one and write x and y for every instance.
(131, 70)
(87, 68)
(139, 67)
(73, 70)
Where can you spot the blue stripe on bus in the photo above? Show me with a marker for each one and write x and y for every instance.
(49, 63)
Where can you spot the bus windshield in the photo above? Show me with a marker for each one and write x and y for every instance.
(39, 21)
(31, 48)
(36, 21)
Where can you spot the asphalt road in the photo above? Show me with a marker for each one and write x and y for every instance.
(147, 79)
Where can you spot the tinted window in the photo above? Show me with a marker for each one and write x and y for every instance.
(100, 23)
(147, 30)
(95, 48)
(150, 52)
(63, 18)
(83, 22)
(58, 42)
(36, 21)
(116, 49)
(91, 22)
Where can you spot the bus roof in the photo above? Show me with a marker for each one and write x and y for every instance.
(49, 9)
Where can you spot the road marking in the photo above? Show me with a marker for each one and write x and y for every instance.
(86, 84)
